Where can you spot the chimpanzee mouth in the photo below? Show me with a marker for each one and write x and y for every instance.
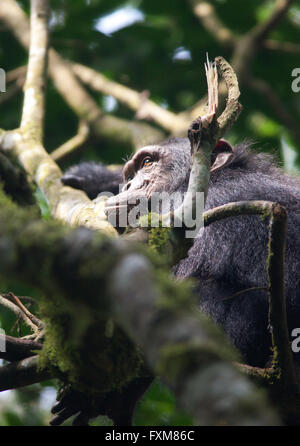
(126, 214)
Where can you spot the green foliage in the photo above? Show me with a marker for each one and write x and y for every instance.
(43, 204)
(158, 408)
(141, 56)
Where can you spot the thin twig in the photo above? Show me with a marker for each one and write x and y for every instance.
(11, 91)
(36, 321)
(262, 30)
(73, 143)
(277, 106)
(286, 47)
(16, 74)
(103, 126)
(18, 312)
(133, 99)
(206, 13)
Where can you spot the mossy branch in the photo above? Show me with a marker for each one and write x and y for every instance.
(119, 280)
(182, 346)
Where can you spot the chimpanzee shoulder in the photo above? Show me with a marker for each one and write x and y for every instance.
(228, 258)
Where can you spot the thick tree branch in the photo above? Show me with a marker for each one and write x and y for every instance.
(35, 85)
(67, 204)
(22, 373)
(210, 20)
(18, 349)
(249, 44)
(179, 343)
(178, 349)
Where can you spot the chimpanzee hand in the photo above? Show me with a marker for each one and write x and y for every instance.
(73, 402)
(118, 405)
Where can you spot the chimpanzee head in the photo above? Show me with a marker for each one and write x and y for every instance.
(164, 167)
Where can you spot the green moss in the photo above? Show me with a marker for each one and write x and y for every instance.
(265, 215)
(81, 338)
(74, 270)
(77, 344)
(159, 239)
(184, 358)
(73, 299)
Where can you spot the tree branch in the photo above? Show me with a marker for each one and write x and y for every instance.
(18, 349)
(67, 204)
(277, 106)
(206, 13)
(18, 312)
(145, 108)
(178, 341)
(83, 105)
(204, 134)
(73, 143)
(36, 321)
(35, 85)
(261, 31)
(282, 359)
(22, 373)
(176, 346)
(286, 47)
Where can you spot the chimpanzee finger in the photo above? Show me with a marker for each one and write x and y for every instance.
(63, 416)
(57, 407)
(82, 419)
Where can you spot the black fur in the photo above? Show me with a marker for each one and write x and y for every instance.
(230, 255)
(93, 178)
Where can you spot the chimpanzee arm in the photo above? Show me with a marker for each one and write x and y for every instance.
(229, 257)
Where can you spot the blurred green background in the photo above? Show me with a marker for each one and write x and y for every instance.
(159, 46)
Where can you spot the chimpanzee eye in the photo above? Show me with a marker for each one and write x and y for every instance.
(146, 162)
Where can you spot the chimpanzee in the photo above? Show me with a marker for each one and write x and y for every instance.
(228, 258)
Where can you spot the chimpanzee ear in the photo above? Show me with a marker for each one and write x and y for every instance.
(221, 156)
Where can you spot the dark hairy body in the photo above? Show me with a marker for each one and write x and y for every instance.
(228, 258)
